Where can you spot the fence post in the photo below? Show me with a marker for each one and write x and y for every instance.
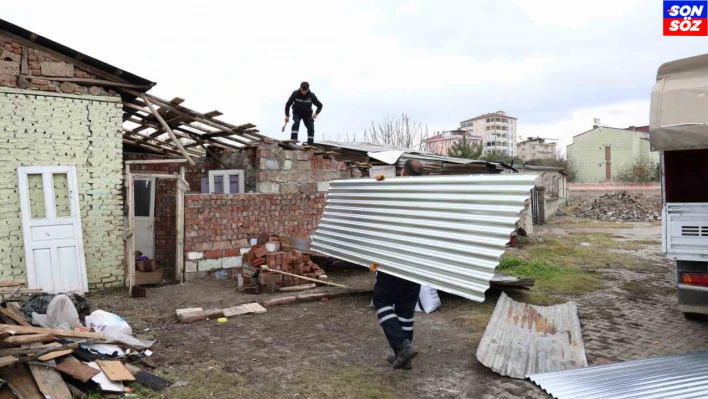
(541, 204)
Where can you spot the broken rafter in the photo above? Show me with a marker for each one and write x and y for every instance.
(178, 131)
(169, 130)
(97, 82)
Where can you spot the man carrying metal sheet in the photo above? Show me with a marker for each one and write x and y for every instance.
(395, 299)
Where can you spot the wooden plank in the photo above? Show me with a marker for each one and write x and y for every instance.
(26, 339)
(175, 140)
(308, 278)
(55, 332)
(7, 360)
(74, 368)
(11, 283)
(24, 64)
(114, 370)
(6, 393)
(179, 255)
(49, 381)
(20, 380)
(5, 291)
(19, 320)
(151, 161)
(98, 82)
(130, 247)
(55, 354)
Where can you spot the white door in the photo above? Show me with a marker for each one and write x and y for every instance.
(51, 225)
(144, 212)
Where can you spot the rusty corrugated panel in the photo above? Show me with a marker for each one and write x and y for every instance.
(523, 339)
(447, 232)
(672, 377)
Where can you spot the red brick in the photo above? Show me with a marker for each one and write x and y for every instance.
(213, 254)
(192, 317)
(213, 313)
(286, 300)
(232, 252)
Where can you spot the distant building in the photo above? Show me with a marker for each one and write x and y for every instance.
(442, 142)
(497, 129)
(535, 148)
(600, 153)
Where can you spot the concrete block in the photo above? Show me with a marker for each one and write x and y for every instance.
(10, 56)
(195, 255)
(288, 164)
(322, 186)
(61, 69)
(190, 266)
(289, 188)
(11, 68)
(249, 308)
(188, 310)
(268, 188)
(209, 264)
(234, 261)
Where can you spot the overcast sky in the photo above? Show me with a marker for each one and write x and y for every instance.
(553, 67)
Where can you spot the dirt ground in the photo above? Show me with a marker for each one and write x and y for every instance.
(336, 349)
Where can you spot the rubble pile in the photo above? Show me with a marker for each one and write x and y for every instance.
(251, 278)
(50, 353)
(621, 207)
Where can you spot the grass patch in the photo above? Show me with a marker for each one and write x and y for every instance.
(348, 383)
(567, 250)
(551, 279)
(648, 242)
(591, 224)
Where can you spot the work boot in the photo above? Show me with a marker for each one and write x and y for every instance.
(391, 358)
(406, 353)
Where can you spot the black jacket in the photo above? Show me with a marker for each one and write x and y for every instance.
(302, 105)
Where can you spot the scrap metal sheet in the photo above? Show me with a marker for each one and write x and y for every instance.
(523, 339)
(676, 377)
(444, 231)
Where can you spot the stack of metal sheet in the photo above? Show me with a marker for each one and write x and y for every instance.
(677, 377)
(445, 231)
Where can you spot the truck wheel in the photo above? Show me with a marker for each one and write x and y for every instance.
(693, 316)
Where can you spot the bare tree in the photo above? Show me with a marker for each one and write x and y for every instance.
(401, 133)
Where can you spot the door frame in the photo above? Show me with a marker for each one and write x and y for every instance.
(153, 182)
(47, 173)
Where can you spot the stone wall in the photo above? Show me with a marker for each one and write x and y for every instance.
(552, 205)
(51, 129)
(218, 226)
(43, 71)
(289, 172)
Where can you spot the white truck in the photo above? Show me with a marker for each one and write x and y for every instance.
(679, 130)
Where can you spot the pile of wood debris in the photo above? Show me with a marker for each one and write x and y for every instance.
(37, 362)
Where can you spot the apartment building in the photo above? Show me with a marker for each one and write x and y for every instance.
(498, 130)
(536, 148)
(442, 142)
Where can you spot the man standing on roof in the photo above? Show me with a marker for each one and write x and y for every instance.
(395, 299)
(301, 101)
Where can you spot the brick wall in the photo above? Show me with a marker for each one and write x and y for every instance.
(43, 70)
(218, 226)
(165, 205)
(51, 129)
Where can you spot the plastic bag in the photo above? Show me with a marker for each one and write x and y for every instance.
(61, 314)
(428, 300)
(108, 323)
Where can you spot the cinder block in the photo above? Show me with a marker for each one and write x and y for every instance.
(231, 262)
(195, 255)
(209, 264)
(60, 69)
(190, 266)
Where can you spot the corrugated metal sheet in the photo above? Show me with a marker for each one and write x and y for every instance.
(444, 231)
(676, 377)
(523, 339)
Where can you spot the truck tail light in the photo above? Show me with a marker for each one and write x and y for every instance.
(695, 279)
